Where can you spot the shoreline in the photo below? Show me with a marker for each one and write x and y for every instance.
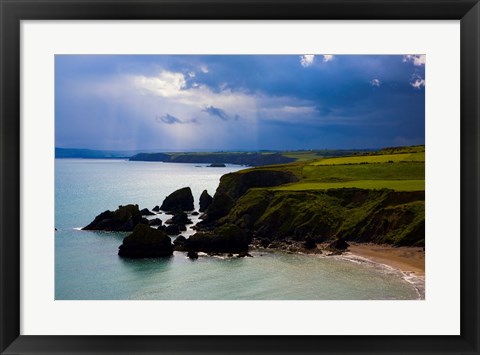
(409, 262)
(405, 259)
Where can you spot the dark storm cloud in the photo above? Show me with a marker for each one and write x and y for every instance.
(217, 112)
(284, 101)
(168, 119)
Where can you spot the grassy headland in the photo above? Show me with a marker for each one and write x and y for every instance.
(239, 158)
(244, 158)
(369, 197)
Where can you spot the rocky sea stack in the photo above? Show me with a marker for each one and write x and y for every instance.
(205, 200)
(146, 242)
(124, 219)
(180, 200)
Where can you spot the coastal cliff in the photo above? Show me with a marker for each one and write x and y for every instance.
(234, 185)
(251, 201)
(378, 216)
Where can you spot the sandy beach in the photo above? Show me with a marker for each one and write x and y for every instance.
(406, 259)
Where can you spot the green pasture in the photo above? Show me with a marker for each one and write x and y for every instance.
(385, 171)
(404, 171)
(302, 156)
(397, 185)
(407, 149)
(373, 159)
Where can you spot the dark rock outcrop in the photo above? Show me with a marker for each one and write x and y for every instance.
(146, 242)
(217, 165)
(181, 199)
(155, 222)
(179, 243)
(192, 255)
(146, 212)
(265, 242)
(172, 229)
(309, 243)
(124, 219)
(179, 218)
(339, 244)
(244, 254)
(227, 238)
(205, 200)
(156, 209)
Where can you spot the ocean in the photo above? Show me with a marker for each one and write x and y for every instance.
(87, 266)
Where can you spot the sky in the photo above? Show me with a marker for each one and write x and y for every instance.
(239, 102)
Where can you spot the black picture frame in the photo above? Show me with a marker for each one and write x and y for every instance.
(12, 12)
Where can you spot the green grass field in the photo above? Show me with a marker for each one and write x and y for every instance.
(302, 156)
(402, 170)
(385, 171)
(406, 149)
(371, 159)
(397, 185)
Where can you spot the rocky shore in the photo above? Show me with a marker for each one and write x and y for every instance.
(248, 212)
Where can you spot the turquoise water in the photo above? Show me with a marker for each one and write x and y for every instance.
(87, 266)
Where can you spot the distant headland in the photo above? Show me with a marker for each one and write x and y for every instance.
(215, 159)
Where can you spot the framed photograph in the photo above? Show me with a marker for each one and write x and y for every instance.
(239, 177)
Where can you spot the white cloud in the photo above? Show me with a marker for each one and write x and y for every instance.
(169, 91)
(417, 81)
(204, 69)
(191, 74)
(416, 59)
(166, 84)
(327, 58)
(375, 82)
(306, 60)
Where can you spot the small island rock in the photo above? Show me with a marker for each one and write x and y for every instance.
(124, 219)
(146, 242)
(181, 199)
